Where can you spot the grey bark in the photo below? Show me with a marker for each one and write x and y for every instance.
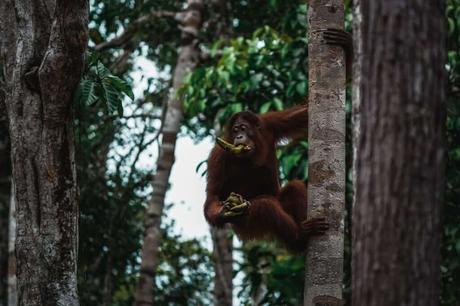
(326, 136)
(222, 239)
(42, 47)
(12, 279)
(357, 90)
(187, 61)
(400, 158)
(5, 189)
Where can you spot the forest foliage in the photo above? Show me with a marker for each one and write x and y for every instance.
(262, 67)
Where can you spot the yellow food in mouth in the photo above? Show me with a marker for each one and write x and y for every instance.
(231, 147)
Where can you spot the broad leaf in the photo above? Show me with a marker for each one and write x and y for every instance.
(121, 85)
(102, 71)
(112, 98)
(88, 92)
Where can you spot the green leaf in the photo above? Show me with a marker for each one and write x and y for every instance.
(224, 75)
(92, 58)
(301, 88)
(120, 109)
(457, 246)
(265, 107)
(278, 104)
(102, 71)
(451, 25)
(121, 85)
(279, 84)
(112, 98)
(88, 92)
(236, 107)
(255, 79)
(289, 162)
(302, 8)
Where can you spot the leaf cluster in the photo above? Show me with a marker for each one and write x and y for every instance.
(264, 72)
(100, 85)
(271, 273)
(183, 276)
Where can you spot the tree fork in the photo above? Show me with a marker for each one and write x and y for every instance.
(326, 171)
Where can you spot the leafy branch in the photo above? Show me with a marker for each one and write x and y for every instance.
(99, 84)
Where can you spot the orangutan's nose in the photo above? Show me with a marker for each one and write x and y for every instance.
(240, 139)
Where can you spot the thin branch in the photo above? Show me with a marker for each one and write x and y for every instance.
(163, 116)
(206, 56)
(143, 116)
(128, 34)
(121, 63)
(140, 148)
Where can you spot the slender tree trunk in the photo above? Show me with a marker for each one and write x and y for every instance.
(12, 279)
(43, 44)
(5, 189)
(187, 61)
(222, 240)
(400, 160)
(220, 22)
(326, 136)
(107, 290)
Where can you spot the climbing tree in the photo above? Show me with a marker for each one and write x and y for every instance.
(326, 155)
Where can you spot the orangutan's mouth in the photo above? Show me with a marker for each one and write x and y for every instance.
(235, 149)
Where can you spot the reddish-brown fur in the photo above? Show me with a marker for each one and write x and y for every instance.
(274, 213)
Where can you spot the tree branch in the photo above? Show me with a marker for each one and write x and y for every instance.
(128, 34)
(206, 56)
(142, 116)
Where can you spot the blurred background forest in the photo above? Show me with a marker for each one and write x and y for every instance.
(248, 55)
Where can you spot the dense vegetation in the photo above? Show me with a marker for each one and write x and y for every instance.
(261, 67)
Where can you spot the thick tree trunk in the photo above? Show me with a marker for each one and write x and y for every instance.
(187, 61)
(12, 279)
(326, 136)
(222, 239)
(43, 43)
(400, 160)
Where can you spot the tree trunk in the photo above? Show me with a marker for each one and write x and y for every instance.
(222, 239)
(187, 61)
(400, 160)
(107, 290)
(220, 22)
(12, 279)
(326, 137)
(43, 43)
(5, 189)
